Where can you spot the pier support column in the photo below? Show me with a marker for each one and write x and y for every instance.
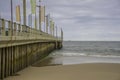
(0, 62)
(9, 60)
(3, 64)
(6, 61)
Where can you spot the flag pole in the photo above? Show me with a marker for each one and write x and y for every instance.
(39, 6)
(39, 15)
(24, 12)
(11, 17)
(44, 19)
(35, 19)
(56, 31)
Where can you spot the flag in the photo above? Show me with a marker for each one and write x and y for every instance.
(61, 34)
(53, 25)
(47, 22)
(50, 26)
(56, 31)
(33, 6)
(18, 13)
(35, 23)
(42, 10)
(30, 19)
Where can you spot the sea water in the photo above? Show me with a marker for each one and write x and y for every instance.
(92, 48)
(78, 52)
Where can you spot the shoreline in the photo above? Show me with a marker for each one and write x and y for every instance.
(87, 71)
(69, 60)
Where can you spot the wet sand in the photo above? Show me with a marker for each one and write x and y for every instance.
(89, 71)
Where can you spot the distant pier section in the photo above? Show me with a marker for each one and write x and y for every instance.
(22, 45)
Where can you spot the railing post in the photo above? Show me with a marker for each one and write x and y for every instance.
(3, 27)
(9, 28)
(23, 30)
(19, 29)
(3, 64)
(0, 62)
(14, 30)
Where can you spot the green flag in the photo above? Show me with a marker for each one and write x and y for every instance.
(33, 6)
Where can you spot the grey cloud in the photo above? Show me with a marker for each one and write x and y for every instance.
(83, 19)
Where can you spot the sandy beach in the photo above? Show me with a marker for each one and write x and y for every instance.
(90, 71)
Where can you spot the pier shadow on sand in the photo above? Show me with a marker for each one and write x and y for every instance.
(48, 61)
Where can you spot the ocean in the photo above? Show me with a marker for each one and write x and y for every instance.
(91, 48)
(80, 52)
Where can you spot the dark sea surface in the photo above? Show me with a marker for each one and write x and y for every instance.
(92, 48)
(79, 52)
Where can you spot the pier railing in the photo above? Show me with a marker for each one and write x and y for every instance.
(15, 31)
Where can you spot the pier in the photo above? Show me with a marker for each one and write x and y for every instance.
(22, 45)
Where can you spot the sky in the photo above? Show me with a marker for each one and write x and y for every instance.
(89, 20)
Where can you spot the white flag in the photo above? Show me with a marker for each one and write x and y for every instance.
(30, 19)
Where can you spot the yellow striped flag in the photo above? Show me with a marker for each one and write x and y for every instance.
(33, 6)
(42, 14)
(18, 13)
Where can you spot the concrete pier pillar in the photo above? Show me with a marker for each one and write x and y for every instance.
(6, 62)
(3, 64)
(15, 58)
(0, 62)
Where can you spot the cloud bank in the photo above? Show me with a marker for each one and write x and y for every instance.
(85, 19)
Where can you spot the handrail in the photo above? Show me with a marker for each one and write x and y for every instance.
(23, 31)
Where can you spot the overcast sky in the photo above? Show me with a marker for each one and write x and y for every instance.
(82, 19)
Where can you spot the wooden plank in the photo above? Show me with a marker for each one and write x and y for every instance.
(9, 28)
(10, 66)
(12, 60)
(9, 60)
(3, 64)
(15, 28)
(0, 61)
(6, 62)
(17, 58)
(3, 27)
(19, 30)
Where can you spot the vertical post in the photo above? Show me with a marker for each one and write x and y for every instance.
(56, 31)
(39, 6)
(10, 29)
(9, 60)
(24, 16)
(6, 61)
(24, 12)
(61, 34)
(3, 27)
(39, 16)
(19, 29)
(0, 26)
(44, 19)
(53, 29)
(3, 64)
(14, 30)
(47, 23)
(35, 20)
(12, 52)
(0, 61)
(11, 17)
